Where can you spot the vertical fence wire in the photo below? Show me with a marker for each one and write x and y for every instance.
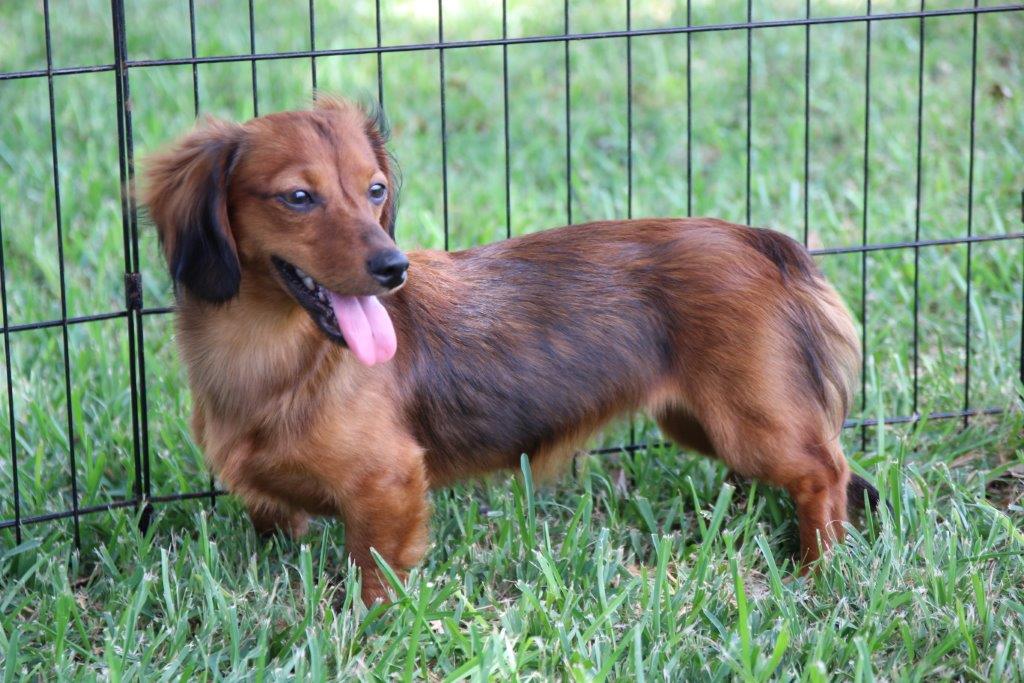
(864, 234)
(970, 218)
(68, 399)
(444, 122)
(504, 105)
(380, 58)
(10, 390)
(807, 126)
(750, 104)
(568, 119)
(117, 27)
(380, 86)
(629, 154)
(915, 341)
(689, 113)
(192, 49)
(252, 62)
(629, 111)
(312, 44)
(129, 206)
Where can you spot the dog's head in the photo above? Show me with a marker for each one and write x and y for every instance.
(301, 204)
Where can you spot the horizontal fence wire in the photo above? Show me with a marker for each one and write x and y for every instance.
(135, 312)
(528, 40)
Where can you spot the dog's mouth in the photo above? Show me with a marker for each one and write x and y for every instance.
(359, 322)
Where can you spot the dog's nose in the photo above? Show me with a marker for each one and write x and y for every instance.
(388, 267)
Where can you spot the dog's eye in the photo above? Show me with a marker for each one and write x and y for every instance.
(298, 199)
(378, 193)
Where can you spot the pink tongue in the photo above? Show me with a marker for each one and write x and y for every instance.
(366, 327)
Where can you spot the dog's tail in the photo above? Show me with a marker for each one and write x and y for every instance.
(827, 346)
(831, 351)
(859, 490)
(825, 337)
(830, 348)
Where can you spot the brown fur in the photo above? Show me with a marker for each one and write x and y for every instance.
(728, 335)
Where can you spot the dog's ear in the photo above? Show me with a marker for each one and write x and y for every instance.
(377, 132)
(186, 191)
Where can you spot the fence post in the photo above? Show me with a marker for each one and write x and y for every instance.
(132, 276)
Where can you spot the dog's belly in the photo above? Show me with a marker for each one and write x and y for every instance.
(485, 415)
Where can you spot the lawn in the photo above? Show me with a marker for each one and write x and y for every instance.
(653, 564)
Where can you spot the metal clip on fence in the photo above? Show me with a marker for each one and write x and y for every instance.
(133, 291)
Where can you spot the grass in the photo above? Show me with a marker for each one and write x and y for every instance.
(649, 565)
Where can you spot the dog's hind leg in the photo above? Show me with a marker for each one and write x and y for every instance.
(818, 486)
(684, 430)
(758, 441)
(815, 475)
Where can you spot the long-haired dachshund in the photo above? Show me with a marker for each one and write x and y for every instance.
(332, 374)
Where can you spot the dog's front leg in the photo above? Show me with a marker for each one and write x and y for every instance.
(385, 508)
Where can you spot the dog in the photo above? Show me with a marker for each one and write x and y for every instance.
(332, 374)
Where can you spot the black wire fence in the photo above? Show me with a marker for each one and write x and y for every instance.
(141, 497)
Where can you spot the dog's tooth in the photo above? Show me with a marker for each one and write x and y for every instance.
(308, 281)
(300, 272)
